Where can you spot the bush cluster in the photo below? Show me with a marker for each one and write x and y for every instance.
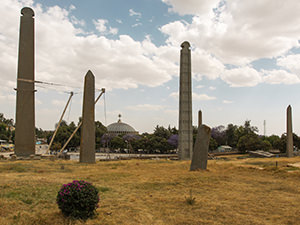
(78, 199)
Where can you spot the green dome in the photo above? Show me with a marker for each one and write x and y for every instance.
(120, 128)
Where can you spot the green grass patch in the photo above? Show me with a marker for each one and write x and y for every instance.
(103, 189)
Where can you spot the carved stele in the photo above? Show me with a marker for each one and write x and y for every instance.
(289, 132)
(200, 153)
(25, 113)
(185, 139)
(87, 141)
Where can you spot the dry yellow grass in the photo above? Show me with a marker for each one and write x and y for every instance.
(244, 191)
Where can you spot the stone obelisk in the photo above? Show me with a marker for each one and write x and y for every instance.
(87, 141)
(199, 118)
(289, 133)
(200, 153)
(25, 114)
(185, 141)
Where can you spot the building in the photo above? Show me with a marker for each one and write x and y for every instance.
(224, 148)
(120, 128)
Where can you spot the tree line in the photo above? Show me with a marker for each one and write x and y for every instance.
(163, 140)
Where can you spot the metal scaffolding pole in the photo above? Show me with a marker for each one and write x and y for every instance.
(79, 125)
(59, 122)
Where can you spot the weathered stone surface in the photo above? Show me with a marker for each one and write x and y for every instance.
(185, 140)
(289, 133)
(25, 114)
(200, 153)
(87, 142)
(261, 154)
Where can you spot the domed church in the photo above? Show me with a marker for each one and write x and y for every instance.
(120, 128)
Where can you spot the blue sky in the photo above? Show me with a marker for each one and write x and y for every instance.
(244, 59)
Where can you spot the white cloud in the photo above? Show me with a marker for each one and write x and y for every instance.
(7, 98)
(202, 97)
(72, 7)
(76, 21)
(212, 88)
(136, 25)
(194, 7)
(203, 64)
(133, 13)
(119, 21)
(227, 102)
(63, 56)
(100, 25)
(195, 96)
(279, 77)
(58, 102)
(113, 31)
(238, 32)
(174, 95)
(242, 77)
(146, 107)
(200, 86)
(290, 62)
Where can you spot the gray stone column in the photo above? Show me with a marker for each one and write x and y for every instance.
(199, 118)
(200, 153)
(185, 141)
(25, 114)
(289, 133)
(87, 141)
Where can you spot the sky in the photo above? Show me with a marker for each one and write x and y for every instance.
(245, 58)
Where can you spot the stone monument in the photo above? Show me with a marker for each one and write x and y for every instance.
(200, 152)
(199, 118)
(87, 141)
(185, 140)
(289, 133)
(25, 113)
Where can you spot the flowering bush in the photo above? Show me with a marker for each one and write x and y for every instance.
(78, 199)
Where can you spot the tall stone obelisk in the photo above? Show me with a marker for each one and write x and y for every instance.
(25, 114)
(185, 141)
(289, 133)
(199, 118)
(87, 141)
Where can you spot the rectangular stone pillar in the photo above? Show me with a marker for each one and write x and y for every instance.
(199, 118)
(200, 153)
(289, 133)
(185, 139)
(25, 114)
(87, 141)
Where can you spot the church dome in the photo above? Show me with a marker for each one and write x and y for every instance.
(120, 128)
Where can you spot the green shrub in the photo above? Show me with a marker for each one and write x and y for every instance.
(78, 200)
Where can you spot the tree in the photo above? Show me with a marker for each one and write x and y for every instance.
(160, 131)
(231, 135)
(219, 135)
(247, 143)
(275, 141)
(252, 142)
(100, 130)
(117, 142)
(173, 130)
(106, 139)
(4, 132)
(213, 145)
(173, 140)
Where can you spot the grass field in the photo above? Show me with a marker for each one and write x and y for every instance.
(232, 191)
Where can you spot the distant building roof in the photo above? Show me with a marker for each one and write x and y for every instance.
(224, 148)
(120, 128)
